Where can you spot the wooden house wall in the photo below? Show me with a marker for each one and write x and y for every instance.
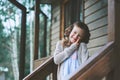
(95, 16)
(55, 29)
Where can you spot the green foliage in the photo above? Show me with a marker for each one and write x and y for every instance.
(46, 8)
(3, 49)
(9, 12)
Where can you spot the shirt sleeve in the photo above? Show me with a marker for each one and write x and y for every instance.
(61, 54)
(84, 52)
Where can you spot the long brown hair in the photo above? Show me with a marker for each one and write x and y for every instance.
(65, 40)
(83, 26)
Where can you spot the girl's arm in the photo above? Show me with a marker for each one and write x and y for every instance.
(84, 52)
(61, 54)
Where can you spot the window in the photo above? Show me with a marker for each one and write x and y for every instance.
(71, 12)
(44, 30)
(42, 36)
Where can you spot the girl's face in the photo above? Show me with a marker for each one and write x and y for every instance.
(76, 33)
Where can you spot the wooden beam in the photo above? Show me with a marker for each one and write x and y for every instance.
(111, 20)
(36, 39)
(45, 39)
(114, 30)
(22, 39)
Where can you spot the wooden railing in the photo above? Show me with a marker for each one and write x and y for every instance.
(40, 61)
(48, 68)
(97, 66)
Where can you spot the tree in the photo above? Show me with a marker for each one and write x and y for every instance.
(8, 50)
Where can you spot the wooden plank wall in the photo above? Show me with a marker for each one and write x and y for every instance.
(95, 16)
(55, 29)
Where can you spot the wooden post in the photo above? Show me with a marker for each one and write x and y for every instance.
(36, 39)
(23, 38)
(114, 34)
(111, 20)
(22, 47)
(45, 39)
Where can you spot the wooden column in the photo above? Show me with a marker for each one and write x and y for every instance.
(111, 20)
(114, 34)
(117, 38)
(22, 39)
(36, 39)
(22, 47)
(45, 35)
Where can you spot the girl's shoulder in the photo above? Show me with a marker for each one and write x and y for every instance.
(59, 43)
(83, 45)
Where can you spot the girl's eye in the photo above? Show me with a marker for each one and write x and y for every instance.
(75, 32)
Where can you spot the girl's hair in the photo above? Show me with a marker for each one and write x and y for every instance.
(68, 30)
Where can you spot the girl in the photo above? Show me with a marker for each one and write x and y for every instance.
(71, 52)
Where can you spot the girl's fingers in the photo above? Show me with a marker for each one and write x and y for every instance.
(78, 40)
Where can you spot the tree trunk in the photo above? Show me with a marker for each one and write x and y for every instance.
(14, 57)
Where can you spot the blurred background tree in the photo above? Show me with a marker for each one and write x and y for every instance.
(10, 32)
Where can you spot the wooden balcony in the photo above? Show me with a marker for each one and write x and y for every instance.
(98, 66)
(44, 70)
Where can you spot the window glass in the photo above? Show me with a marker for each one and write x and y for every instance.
(72, 12)
(44, 30)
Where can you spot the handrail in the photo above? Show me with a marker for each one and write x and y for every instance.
(98, 65)
(38, 62)
(43, 71)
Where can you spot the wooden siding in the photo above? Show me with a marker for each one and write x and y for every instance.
(95, 16)
(55, 29)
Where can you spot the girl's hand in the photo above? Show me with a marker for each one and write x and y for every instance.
(77, 42)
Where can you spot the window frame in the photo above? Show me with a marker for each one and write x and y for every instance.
(72, 13)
